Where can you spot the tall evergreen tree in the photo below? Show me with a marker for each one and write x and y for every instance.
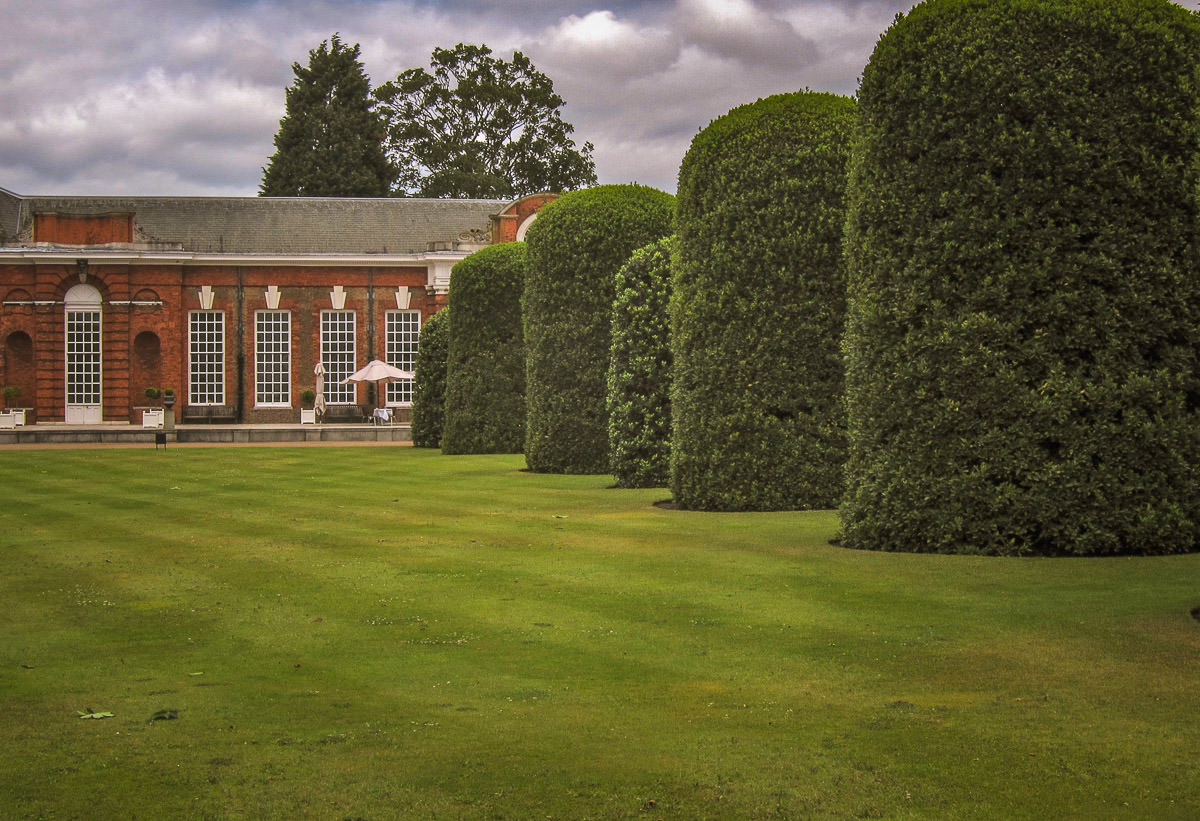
(330, 140)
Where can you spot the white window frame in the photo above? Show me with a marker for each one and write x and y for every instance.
(403, 330)
(272, 359)
(206, 358)
(84, 356)
(339, 352)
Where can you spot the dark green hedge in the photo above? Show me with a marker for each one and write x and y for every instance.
(485, 371)
(758, 306)
(575, 248)
(429, 382)
(639, 369)
(1022, 333)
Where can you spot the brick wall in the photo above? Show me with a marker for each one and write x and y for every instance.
(145, 320)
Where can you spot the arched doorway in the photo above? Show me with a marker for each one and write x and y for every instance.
(83, 356)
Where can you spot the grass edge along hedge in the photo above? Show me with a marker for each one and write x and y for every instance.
(429, 381)
(1022, 330)
(639, 369)
(485, 360)
(757, 307)
(575, 247)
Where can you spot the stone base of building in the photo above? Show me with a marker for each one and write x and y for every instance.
(207, 434)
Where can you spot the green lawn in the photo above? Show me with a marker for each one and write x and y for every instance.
(386, 632)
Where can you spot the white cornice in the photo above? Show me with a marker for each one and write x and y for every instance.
(65, 256)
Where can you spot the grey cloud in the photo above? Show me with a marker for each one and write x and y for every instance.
(744, 31)
(605, 48)
(184, 96)
(129, 98)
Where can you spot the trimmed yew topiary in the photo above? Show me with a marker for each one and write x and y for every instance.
(429, 381)
(1022, 330)
(757, 308)
(485, 370)
(575, 248)
(639, 369)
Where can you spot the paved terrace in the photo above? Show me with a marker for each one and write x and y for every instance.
(59, 435)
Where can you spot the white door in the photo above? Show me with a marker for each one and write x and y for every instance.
(83, 356)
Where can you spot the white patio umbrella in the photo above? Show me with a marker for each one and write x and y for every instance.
(378, 372)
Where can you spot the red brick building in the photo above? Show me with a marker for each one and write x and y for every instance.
(231, 302)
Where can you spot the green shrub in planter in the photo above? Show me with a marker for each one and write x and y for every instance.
(575, 248)
(758, 305)
(639, 370)
(1022, 330)
(429, 381)
(485, 371)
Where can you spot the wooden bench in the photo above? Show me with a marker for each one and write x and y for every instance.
(346, 413)
(209, 414)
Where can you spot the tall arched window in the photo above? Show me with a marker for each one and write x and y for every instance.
(83, 355)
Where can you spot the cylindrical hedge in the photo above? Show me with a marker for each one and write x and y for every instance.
(639, 369)
(757, 308)
(485, 368)
(1022, 329)
(429, 381)
(575, 248)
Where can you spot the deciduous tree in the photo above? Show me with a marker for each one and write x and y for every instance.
(475, 125)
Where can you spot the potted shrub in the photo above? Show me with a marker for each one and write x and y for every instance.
(11, 394)
(168, 397)
(153, 395)
(307, 398)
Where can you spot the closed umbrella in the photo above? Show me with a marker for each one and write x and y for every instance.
(319, 404)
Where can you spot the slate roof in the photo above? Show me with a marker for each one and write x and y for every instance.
(10, 215)
(267, 225)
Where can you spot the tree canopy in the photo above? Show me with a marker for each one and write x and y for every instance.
(329, 142)
(475, 125)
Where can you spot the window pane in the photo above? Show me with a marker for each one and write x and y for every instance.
(273, 358)
(83, 357)
(403, 329)
(338, 355)
(206, 358)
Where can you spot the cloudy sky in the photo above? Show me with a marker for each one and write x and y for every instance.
(183, 97)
